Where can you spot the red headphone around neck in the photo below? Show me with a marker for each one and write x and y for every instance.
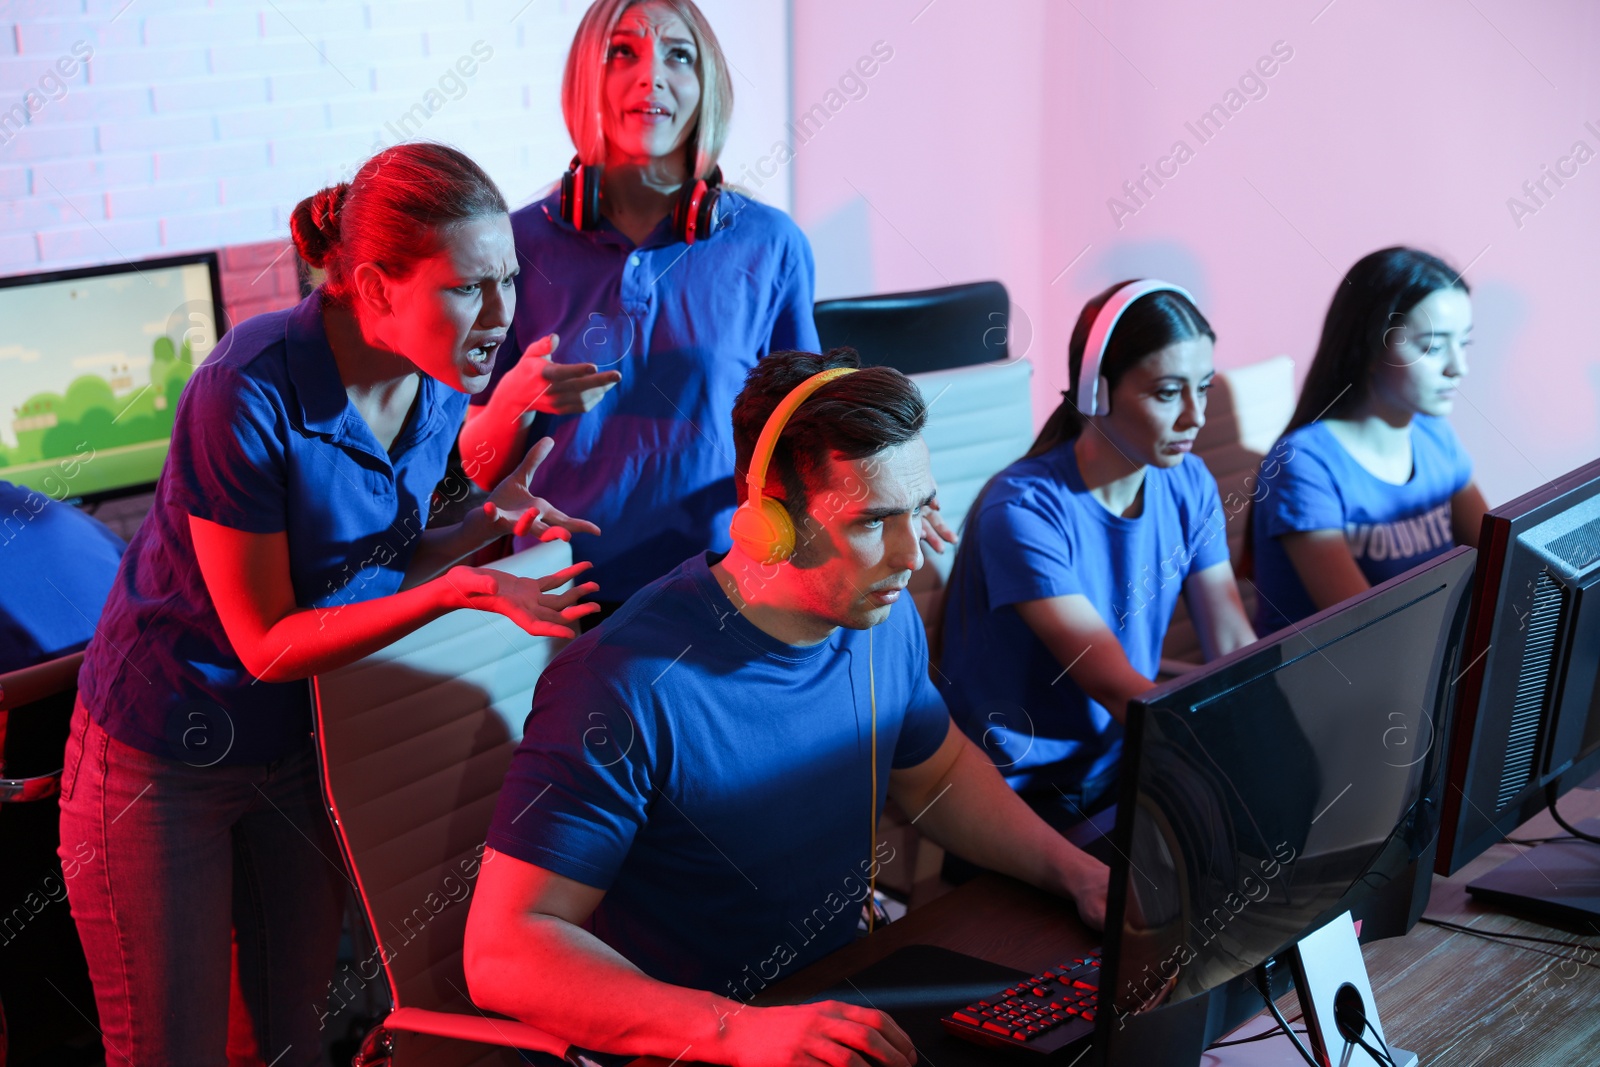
(694, 216)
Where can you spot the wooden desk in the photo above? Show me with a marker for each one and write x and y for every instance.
(1456, 998)
(991, 917)
(1452, 998)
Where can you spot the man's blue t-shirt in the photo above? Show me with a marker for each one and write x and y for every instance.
(56, 567)
(1309, 482)
(265, 440)
(1037, 533)
(652, 464)
(716, 782)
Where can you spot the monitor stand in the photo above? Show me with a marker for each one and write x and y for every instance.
(1557, 882)
(1328, 969)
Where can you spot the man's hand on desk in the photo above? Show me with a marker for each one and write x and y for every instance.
(831, 1033)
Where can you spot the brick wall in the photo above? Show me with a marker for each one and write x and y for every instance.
(258, 277)
(135, 128)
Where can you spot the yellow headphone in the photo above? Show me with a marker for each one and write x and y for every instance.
(761, 527)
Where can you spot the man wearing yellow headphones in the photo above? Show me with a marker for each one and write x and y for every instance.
(692, 814)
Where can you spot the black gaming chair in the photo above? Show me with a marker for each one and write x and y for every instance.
(930, 330)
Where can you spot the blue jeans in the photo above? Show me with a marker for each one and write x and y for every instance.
(163, 862)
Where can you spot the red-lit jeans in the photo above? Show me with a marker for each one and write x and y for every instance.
(163, 860)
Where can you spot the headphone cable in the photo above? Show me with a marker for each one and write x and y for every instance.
(872, 812)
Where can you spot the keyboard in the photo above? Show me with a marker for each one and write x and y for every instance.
(1041, 1014)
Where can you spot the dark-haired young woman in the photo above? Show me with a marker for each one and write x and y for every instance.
(1074, 556)
(288, 537)
(1369, 480)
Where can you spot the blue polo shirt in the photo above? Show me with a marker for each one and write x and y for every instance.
(56, 567)
(716, 782)
(264, 440)
(652, 464)
(1037, 533)
(1309, 482)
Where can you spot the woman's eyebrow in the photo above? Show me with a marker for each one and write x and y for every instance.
(625, 34)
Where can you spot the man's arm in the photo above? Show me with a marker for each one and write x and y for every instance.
(528, 956)
(961, 803)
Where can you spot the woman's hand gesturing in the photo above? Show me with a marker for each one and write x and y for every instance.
(538, 383)
(525, 601)
(511, 509)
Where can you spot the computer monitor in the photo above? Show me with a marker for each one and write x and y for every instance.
(92, 362)
(1273, 790)
(1528, 722)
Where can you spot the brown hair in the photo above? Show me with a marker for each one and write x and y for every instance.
(391, 212)
(852, 417)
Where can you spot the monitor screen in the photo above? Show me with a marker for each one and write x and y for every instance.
(1529, 714)
(1276, 788)
(91, 366)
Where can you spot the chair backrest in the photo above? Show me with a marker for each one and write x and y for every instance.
(929, 330)
(980, 419)
(414, 741)
(1246, 413)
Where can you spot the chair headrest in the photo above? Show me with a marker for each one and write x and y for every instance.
(928, 330)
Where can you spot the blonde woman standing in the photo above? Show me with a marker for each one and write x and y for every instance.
(647, 292)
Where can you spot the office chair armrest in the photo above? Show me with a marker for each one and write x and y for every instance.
(479, 1028)
(23, 790)
(29, 684)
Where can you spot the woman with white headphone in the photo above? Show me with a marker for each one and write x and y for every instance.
(1074, 556)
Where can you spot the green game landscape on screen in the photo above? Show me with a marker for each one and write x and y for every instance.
(91, 370)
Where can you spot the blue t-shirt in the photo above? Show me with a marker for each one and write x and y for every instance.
(716, 782)
(1037, 533)
(265, 440)
(652, 464)
(56, 567)
(1309, 482)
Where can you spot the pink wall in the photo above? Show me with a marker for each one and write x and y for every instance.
(991, 142)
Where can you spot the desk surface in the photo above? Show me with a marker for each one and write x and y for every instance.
(1452, 998)
(1456, 998)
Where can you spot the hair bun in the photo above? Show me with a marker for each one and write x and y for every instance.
(325, 206)
(315, 223)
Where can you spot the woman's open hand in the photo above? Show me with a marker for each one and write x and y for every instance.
(527, 602)
(511, 509)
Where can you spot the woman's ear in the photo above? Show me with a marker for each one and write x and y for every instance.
(371, 287)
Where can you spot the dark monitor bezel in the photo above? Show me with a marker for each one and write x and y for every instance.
(1497, 539)
(211, 260)
(1325, 626)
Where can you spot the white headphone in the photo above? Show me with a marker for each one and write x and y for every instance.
(1094, 400)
